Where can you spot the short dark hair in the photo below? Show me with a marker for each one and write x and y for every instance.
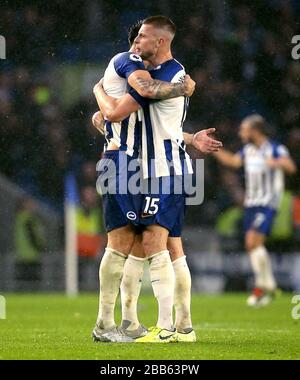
(133, 31)
(257, 122)
(161, 22)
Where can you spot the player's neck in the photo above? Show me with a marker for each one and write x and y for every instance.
(160, 58)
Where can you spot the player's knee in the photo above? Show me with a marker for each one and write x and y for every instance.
(152, 242)
(175, 253)
(122, 243)
(250, 245)
(147, 242)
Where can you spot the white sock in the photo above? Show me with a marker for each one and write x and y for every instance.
(182, 295)
(163, 283)
(261, 265)
(110, 275)
(130, 291)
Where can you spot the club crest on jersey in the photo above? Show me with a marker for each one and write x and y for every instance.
(135, 57)
(131, 215)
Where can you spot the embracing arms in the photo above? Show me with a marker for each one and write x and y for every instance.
(141, 81)
(147, 87)
(200, 140)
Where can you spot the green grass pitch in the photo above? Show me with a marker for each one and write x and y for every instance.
(55, 327)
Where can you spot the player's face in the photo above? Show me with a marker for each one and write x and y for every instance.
(245, 133)
(147, 42)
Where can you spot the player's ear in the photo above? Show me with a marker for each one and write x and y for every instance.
(160, 41)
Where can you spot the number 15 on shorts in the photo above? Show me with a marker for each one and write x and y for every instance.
(151, 206)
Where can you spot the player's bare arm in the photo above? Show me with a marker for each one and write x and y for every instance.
(284, 163)
(118, 109)
(98, 121)
(151, 88)
(228, 158)
(202, 141)
(114, 109)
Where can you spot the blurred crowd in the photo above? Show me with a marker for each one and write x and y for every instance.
(239, 52)
(244, 66)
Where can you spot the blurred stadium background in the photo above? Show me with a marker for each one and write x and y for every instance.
(239, 52)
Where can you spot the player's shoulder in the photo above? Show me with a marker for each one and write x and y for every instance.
(127, 62)
(274, 143)
(114, 59)
(177, 71)
(126, 56)
(178, 64)
(119, 57)
(278, 149)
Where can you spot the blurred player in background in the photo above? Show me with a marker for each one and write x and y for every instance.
(264, 162)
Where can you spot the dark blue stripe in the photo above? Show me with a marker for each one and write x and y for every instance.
(124, 134)
(168, 150)
(182, 158)
(118, 70)
(150, 143)
(274, 149)
(185, 109)
(108, 128)
(169, 155)
(137, 137)
(137, 97)
(182, 144)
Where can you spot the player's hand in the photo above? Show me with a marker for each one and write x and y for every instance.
(98, 121)
(189, 86)
(205, 144)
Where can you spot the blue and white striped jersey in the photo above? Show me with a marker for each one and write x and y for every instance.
(264, 185)
(163, 149)
(126, 134)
